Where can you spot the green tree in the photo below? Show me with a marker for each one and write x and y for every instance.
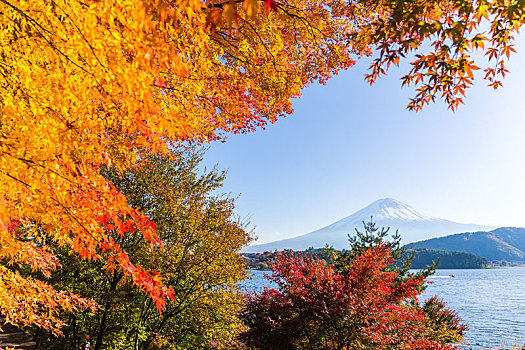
(445, 323)
(372, 237)
(198, 260)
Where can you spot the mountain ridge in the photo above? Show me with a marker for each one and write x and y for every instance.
(500, 244)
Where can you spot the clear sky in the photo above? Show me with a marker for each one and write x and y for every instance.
(348, 144)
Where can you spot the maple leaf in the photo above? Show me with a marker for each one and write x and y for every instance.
(365, 308)
(214, 19)
(270, 5)
(251, 8)
(230, 14)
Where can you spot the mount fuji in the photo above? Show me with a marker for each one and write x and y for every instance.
(412, 225)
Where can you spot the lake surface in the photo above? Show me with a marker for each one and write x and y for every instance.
(490, 301)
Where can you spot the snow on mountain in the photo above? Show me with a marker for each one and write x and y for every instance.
(412, 226)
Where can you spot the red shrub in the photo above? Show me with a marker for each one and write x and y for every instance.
(314, 307)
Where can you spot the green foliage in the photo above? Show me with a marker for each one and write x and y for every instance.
(198, 260)
(504, 243)
(422, 258)
(373, 237)
(263, 261)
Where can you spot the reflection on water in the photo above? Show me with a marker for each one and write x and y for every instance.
(490, 301)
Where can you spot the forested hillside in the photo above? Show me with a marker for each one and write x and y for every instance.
(422, 258)
(447, 259)
(502, 244)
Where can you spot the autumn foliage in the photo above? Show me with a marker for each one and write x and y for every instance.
(198, 261)
(314, 307)
(91, 84)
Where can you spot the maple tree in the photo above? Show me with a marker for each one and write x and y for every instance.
(199, 262)
(315, 307)
(443, 321)
(92, 84)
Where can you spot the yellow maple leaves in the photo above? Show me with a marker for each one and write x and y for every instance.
(77, 94)
(251, 7)
(87, 85)
(91, 84)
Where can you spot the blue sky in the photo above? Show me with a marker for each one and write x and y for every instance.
(348, 144)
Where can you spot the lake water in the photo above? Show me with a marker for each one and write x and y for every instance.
(490, 301)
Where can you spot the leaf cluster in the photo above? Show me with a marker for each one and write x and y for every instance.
(372, 237)
(87, 85)
(368, 307)
(198, 261)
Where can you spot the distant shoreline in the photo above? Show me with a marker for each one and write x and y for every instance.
(423, 257)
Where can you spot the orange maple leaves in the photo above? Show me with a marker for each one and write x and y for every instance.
(454, 30)
(26, 300)
(88, 84)
(227, 13)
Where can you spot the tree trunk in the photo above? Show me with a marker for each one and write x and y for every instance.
(102, 328)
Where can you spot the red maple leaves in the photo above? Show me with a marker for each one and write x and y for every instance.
(315, 307)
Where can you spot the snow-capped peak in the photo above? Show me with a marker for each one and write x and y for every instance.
(380, 210)
(387, 212)
(389, 208)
